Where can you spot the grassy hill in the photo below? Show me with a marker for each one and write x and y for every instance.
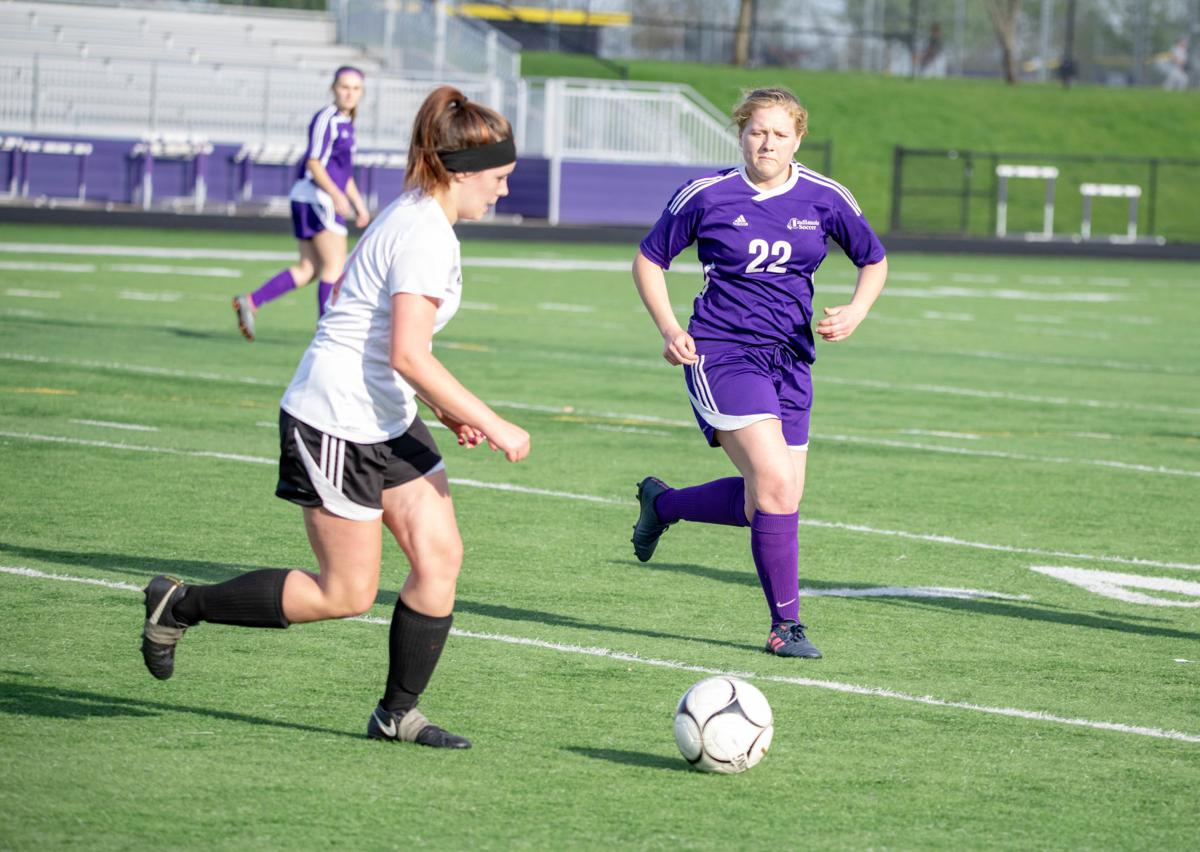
(866, 115)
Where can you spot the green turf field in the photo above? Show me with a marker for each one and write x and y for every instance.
(999, 548)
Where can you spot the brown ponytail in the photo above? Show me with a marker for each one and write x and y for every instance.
(446, 122)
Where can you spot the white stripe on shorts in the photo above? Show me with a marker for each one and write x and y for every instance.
(331, 498)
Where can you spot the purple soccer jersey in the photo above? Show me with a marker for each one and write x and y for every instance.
(331, 141)
(760, 250)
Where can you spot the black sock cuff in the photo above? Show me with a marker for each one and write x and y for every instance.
(431, 620)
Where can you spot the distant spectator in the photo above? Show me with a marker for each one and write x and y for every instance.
(1176, 66)
(932, 60)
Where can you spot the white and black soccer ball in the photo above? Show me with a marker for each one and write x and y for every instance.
(723, 724)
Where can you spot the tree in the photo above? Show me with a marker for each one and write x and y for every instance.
(1004, 15)
(741, 37)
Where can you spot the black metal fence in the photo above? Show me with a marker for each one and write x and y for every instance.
(947, 191)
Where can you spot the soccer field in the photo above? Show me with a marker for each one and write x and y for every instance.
(1000, 547)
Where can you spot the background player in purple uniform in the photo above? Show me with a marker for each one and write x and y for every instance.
(323, 197)
(761, 232)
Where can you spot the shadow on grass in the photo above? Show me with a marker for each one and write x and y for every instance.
(537, 616)
(1024, 610)
(633, 758)
(216, 572)
(209, 572)
(26, 699)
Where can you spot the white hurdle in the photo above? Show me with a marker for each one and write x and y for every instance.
(1110, 190)
(1004, 171)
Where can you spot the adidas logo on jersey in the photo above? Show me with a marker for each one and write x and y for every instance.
(741, 222)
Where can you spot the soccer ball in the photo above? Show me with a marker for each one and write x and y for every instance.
(723, 724)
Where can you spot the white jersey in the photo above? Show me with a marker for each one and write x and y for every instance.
(345, 385)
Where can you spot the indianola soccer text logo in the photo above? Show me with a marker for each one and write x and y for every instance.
(802, 224)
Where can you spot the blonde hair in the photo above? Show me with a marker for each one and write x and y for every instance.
(448, 122)
(770, 97)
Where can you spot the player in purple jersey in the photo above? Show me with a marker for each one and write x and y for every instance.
(761, 231)
(323, 197)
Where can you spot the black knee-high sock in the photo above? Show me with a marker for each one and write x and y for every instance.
(415, 644)
(254, 599)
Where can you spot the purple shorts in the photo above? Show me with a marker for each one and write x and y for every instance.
(733, 388)
(308, 220)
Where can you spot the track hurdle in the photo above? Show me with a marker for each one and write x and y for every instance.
(1004, 171)
(1109, 190)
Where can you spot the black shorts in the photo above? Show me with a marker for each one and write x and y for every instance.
(349, 479)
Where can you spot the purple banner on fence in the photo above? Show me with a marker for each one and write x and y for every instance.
(619, 193)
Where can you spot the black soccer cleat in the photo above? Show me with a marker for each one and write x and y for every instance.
(648, 529)
(788, 640)
(411, 727)
(162, 631)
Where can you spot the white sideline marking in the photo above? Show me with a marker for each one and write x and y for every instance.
(944, 315)
(565, 308)
(911, 592)
(1048, 319)
(633, 430)
(1042, 279)
(136, 368)
(999, 454)
(1002, 293)
(24, 313)
(157, 269)
(1107, 364)
(478, 306)
(142, 296)
(969, 436)
(20, 266)
(521, 489)
(22, 293)
(1015, 397)
(145, 251)
(625, 657)
(1113, 585)
(547, 264)
(134, 427)
(627, 418)
(966, 278)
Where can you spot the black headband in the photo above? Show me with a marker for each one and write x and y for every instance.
(480, 157)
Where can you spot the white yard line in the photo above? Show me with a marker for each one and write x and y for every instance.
(625, 418)
(22, 266)
(626, 657)
(108, 424)
(1006, 395)
(1092, 364)
(1000, 454)
(23, 293)
(197, 271)
(625, 503)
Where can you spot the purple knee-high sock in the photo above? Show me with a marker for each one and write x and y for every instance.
(324, 289)
(274, 288)
(775, 545)
(722, 501)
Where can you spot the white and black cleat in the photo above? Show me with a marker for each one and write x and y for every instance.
(411, 727)
(162, 632)
(245, 316)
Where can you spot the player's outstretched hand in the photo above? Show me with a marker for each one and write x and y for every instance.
(362, 219)
(679, 348)
(839, 322)
(509, 438)
(342, 205)
(468, 436)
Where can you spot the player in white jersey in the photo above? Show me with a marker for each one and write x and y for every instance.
(353, 451)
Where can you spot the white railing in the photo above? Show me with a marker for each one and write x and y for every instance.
(625, 122)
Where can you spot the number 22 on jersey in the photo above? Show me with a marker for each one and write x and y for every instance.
(779, 253)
